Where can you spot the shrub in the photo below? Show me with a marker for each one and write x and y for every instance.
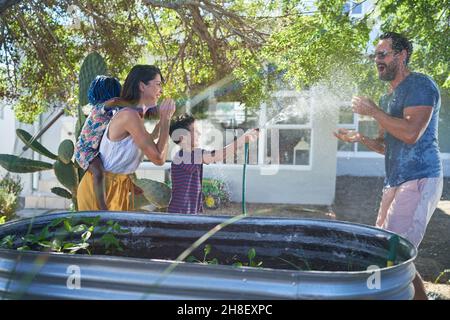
(215, 193)
(10, 189)
(11, 184)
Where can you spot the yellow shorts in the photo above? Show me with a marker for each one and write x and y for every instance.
(117, 189)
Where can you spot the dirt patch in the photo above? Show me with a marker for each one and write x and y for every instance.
(357, 200)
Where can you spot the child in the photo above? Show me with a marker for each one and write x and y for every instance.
(103, 95)
(102, 88)
(187, 164)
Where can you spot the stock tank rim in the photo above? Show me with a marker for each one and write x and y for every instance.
(214, 219)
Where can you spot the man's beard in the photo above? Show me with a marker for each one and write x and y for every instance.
(389, 72)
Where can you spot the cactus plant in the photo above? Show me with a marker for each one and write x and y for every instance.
(67, 175)
(157, 193)
(140, 201)
(93, 65)
(65, 151)
(34, 144)
(68, 172)
(17, 164)
(61, 192)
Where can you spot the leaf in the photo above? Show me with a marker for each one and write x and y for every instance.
(157, 193)
(7, 241)
(207, 249)
(65, 151)
(47, 244)
(79, 228)
(92, 221)
(30, 238)
(16, 164)
(44, 234)
(251, 254)
(93, 65)
(192, 259)
(73, 248)
(68, 245)
(56, 245)
(34, 144)
(61, 192)
(85, 236)
(56, 222)
(140, 201)
(66, 175)
(67, 226)
(109, 240)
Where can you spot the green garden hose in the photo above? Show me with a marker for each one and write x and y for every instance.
(392, 255)
(244, 174)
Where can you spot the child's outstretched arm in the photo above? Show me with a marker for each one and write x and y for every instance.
(211, 157)
(96, 168)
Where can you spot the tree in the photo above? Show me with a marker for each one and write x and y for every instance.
(428, 24)
(325, 44)
(198, 42)
(43, 43)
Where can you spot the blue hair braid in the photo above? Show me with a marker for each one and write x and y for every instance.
(103, 88)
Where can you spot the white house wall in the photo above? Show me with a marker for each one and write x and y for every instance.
(374, 167)
(10, 145)
(290, 184)
(7, 132)
(53, 137)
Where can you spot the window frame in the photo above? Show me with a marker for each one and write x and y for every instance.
(262, 141)
(355, 153)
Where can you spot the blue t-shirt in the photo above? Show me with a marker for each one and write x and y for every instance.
(406, 162)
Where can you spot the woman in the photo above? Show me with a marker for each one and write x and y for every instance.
(126, 141)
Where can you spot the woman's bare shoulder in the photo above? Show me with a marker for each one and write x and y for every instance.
(128, 114)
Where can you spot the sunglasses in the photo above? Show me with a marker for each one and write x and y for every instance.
(382, 54)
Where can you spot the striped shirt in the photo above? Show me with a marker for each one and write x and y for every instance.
(187, 176)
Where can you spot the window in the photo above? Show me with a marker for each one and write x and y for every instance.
(369, 127)
(292, 148)
(287, 134)
(224, 121)
(363, 124)
(285, 130)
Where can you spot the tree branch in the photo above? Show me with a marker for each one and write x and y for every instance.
(159, 33)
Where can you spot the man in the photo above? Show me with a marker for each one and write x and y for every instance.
(408, 121)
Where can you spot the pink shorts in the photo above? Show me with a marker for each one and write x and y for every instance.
(407, 208)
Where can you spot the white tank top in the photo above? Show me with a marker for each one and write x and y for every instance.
(121, 156)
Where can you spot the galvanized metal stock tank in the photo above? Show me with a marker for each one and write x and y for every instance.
(324, 250)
